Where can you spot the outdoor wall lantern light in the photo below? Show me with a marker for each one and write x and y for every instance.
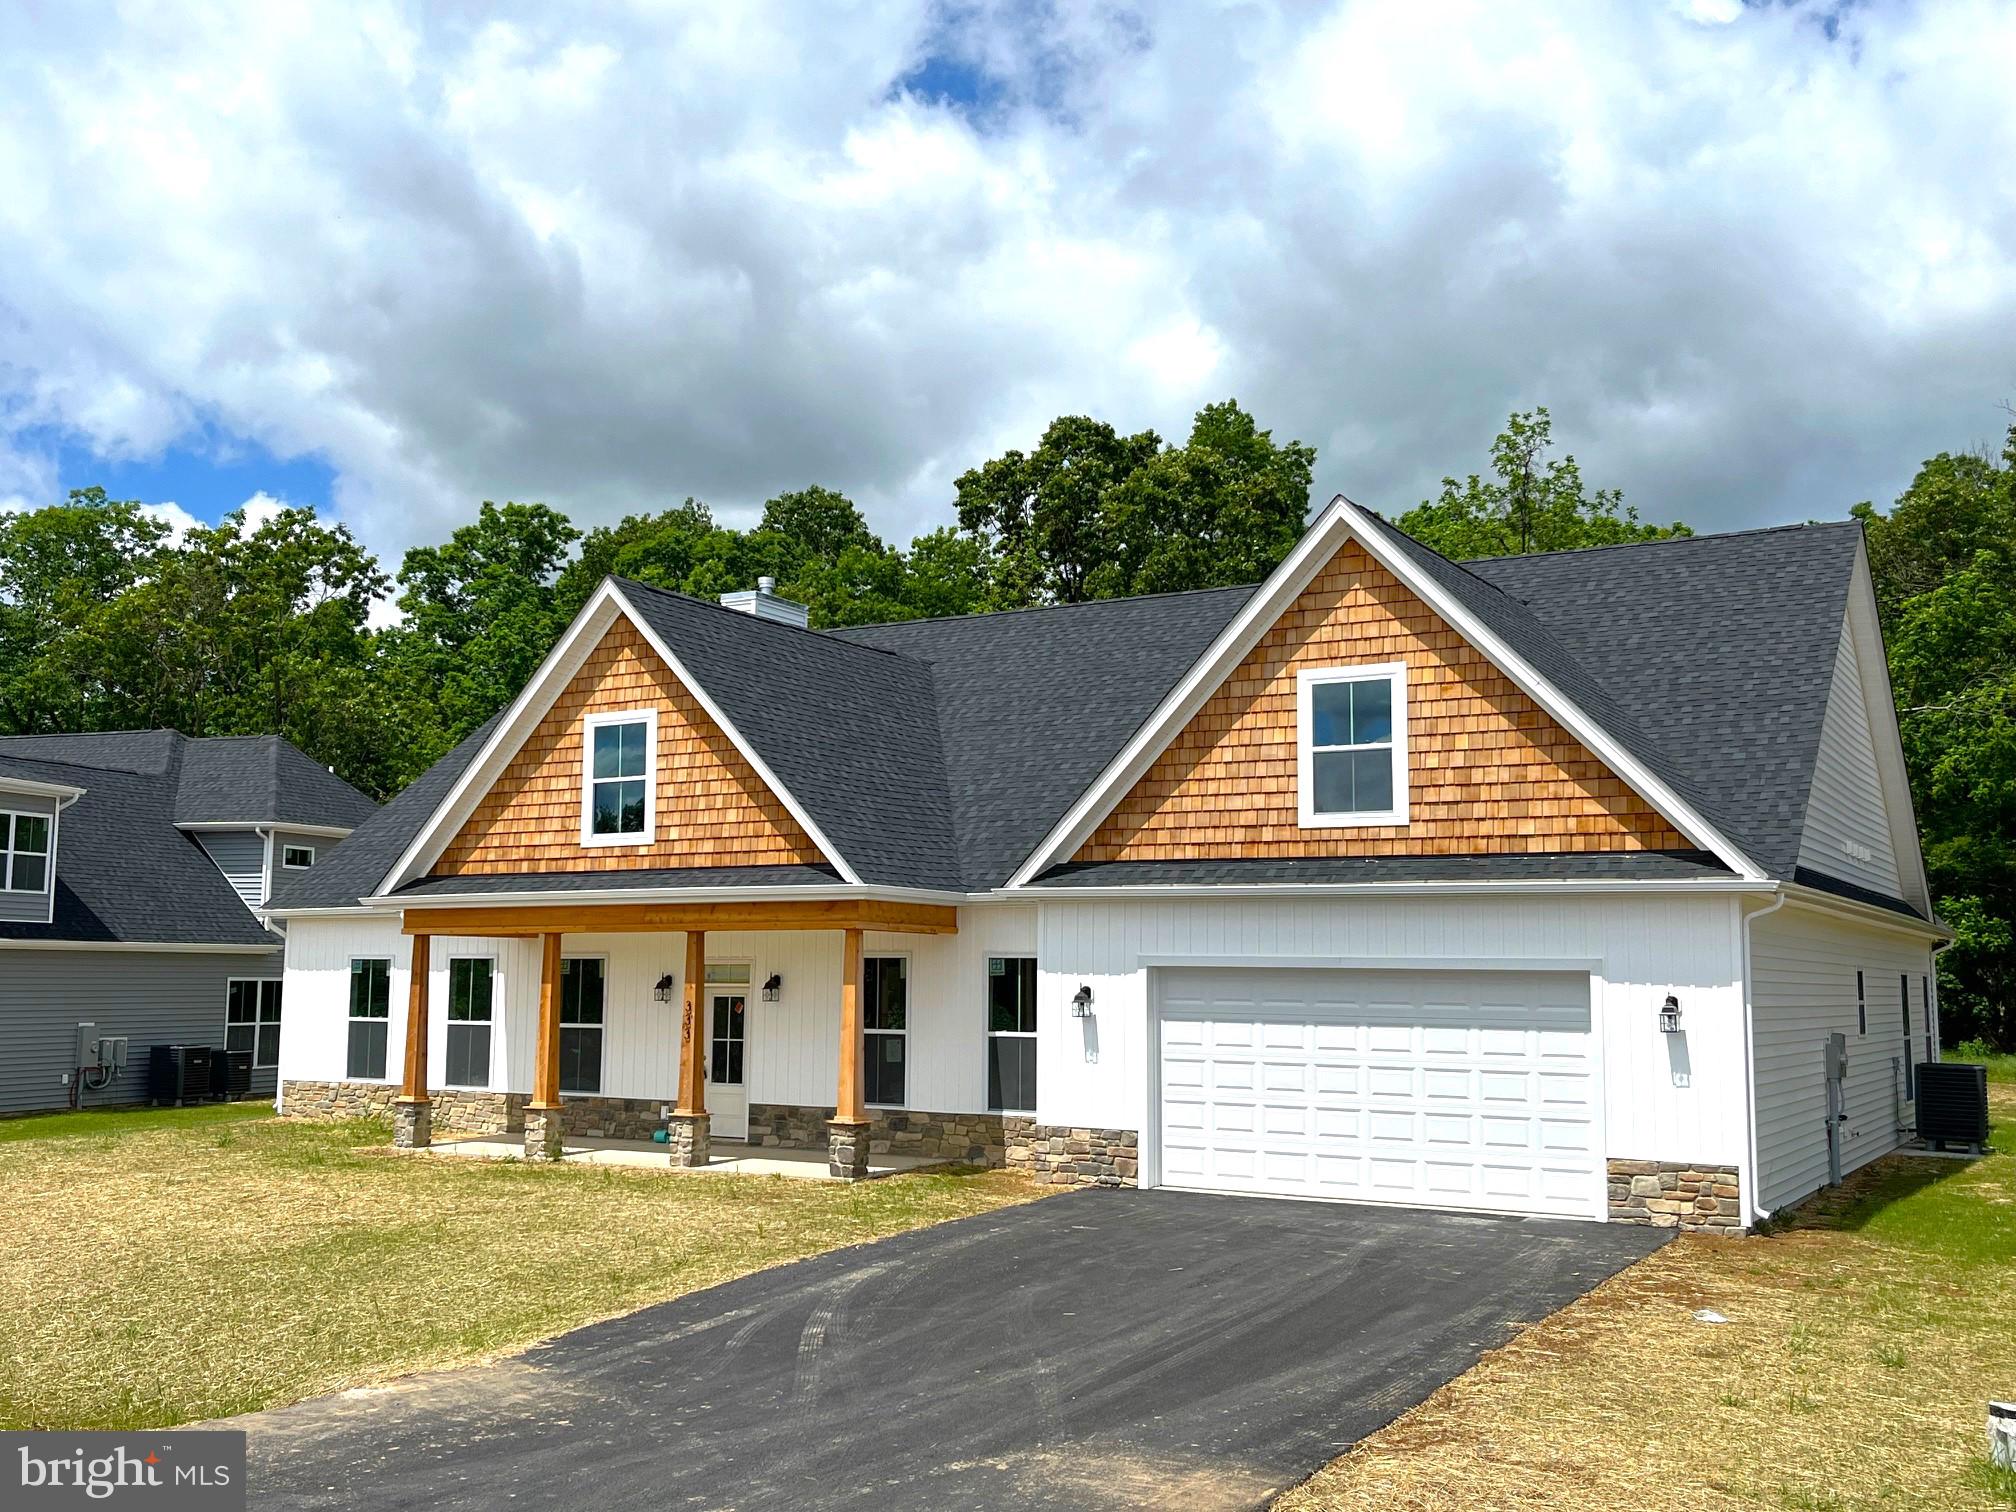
(1081, 1004)
(772, 987)
(663, 988)
(1669, 1015)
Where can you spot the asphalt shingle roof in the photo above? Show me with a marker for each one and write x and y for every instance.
(124, 872)
(476, 885)
(1580, 866)
(938, 753)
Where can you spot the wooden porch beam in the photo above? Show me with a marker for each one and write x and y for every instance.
(677, 918)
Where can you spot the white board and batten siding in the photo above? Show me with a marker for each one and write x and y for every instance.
(1847, 833)
(1662, 1096)
(792, 1051)
(1803, 964)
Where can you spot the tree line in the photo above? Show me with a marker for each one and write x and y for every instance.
(108, 622)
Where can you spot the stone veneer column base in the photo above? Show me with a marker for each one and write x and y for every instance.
(688, 1140)
(1058, 1156)
(969, 1138)
(412, 1124)
(543, 1133)
(1676, 1194)
(847, 1142)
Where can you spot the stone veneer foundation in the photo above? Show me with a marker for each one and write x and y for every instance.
(1674, 1194)
(459, 1111)
(1057, 1156)
(969, 1138)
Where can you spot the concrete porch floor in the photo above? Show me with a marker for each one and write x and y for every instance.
(729, 1157)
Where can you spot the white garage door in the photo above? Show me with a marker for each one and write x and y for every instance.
(1461, 1089)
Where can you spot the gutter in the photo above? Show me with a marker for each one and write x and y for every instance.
(1443, 889)
(1756, 1209)
(811, 894)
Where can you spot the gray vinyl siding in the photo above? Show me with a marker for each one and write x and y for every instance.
(1802, 967)
(241, 856)
(166, 997)
(1845, 816)
(322, 845)
(28, 907)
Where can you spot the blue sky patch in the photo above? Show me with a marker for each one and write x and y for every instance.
(209, 475)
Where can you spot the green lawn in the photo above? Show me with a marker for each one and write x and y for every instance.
(166, 1266)
(2001, 1068)
(1862, 1345)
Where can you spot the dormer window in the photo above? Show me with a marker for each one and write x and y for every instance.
(297, 857)
(24, 852)
(1352, 746)
(619, 755)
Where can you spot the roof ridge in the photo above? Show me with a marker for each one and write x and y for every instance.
(1122, 598)
(1686, 540)
(694, 599)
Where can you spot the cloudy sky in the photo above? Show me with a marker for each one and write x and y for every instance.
(391, 260)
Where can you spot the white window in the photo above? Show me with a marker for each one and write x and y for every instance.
(370, 1018)
(619, 762)
(471, 980)
(252, 1019)
(1011, 1033)
(582, 995)
(885, 1029)
(1351, 728)
(24, 852)
(297, 857)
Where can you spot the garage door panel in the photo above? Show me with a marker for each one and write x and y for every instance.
(1441, 1088)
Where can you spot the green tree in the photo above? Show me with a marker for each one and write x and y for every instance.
(481, 611)
(1531, 502)
(1944, 562)
(1094, 514)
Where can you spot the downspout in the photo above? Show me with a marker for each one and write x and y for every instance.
(1756, 1209)
(1938, 1029)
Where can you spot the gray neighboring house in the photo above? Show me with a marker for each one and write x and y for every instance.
(132, 866)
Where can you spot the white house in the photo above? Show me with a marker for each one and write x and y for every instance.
(1583, 884)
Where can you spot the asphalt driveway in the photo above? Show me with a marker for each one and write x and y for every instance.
(1101, 1349)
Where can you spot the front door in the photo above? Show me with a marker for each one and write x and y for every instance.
(727, 1057)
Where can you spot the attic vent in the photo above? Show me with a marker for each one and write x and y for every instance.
(764, 603)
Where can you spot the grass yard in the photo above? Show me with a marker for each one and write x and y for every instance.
(1862, 1347)
(171, 1265)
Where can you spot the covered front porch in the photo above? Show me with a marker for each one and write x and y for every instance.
(725, 1158)
(560, 1120)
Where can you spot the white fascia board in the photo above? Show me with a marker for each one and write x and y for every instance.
(1467, 889)
(1879, 703)
(144, 946)
(1342, 521)
(661, 895)
(28, 787)
(1819, 900)
(748, 752)
(531, 704)
(320, 831)
(351, 912)
(1376, 963)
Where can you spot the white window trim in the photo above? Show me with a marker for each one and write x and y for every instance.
(8, 853)
(993, 1034)
(1305, 756)
(350, 975)
(287, 865)
(258, 1017)
(602, 1065)
(448, 1024)
(590, 723)
(909, 985)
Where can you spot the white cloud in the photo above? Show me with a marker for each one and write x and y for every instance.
(178, 520)
(1748, 255)
(258, 510)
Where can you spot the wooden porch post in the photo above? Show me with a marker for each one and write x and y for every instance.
(693, 1030)
(848, 1106)
(686, 1132)
(542, 1115)
(412, 1116)
(848, 1134)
